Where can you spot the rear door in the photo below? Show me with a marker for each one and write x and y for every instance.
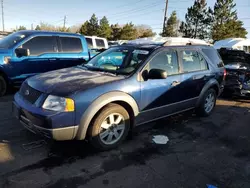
(195, 74)
(70, 51)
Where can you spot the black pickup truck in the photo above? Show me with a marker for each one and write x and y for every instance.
(237, 64)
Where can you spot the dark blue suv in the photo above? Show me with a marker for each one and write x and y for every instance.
(118, 89)
(27, 53)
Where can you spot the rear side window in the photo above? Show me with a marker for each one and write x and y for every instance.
(214, 56)
(71, 44)
(193, 61)
(89, 42)
(100, 43)
(40, 45)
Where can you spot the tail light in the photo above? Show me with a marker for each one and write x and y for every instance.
(224, 74)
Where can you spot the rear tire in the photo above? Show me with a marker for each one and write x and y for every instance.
(110, 127)
(3, 86)
(207, 103)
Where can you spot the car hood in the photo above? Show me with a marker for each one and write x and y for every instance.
(70, 80)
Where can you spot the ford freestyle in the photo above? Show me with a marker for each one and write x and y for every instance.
(27, 53)
(118, 89)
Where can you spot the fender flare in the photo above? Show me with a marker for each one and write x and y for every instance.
(209, 84)
(98, 104)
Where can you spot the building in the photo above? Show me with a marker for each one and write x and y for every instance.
(234, 43)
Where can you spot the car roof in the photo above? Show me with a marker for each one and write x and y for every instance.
(31, 32)
(161, 46)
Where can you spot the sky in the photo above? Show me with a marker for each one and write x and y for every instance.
(150, 12)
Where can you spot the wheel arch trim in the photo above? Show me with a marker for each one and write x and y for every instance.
(98, 104)
(209, 84)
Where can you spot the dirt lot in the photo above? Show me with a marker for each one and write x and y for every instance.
(213, 150)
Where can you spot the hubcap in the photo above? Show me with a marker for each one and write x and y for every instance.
(112, 129)
(209, 103)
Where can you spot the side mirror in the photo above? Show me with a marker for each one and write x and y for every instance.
(157, 74)
(21, 52)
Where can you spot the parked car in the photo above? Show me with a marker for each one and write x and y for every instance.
(97, 44)
(118, 89)
(27, 53)
(237, 64)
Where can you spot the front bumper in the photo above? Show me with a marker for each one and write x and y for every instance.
(54, 125)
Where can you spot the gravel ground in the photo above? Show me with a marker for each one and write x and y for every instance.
(200, 151)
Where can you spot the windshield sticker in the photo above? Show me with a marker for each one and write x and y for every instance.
(144, 52)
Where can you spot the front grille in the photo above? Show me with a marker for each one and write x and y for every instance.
(29, 93)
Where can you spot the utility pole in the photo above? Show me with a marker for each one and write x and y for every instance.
(64, 22)
(165, 17)
(32, 28)
(2, 14)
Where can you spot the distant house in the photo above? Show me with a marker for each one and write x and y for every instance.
(234, 43)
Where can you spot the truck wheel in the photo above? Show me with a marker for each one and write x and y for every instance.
(110, 127)
(3, 86)
(207, 103)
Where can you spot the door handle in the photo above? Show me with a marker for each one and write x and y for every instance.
(175, 83)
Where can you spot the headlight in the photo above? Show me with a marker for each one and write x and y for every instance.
(59, 104)
(6, 60)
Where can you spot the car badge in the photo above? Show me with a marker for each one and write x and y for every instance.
(27, 92)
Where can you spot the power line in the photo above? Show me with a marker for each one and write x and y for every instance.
(136, 9)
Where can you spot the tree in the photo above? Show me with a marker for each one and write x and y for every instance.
(128, 32)
(93, 26)
(115, 32)
(171, 29)
(75, 28)
(198, 21)
(84, 28)
(21, 27)
(104, 28)
(38, 28)
(144, 31)
(226, 23)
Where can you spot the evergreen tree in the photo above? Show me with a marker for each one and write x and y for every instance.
(226, 23)
(115, 32)
(84, 28)
(93, 26)
(128, 32)
(104, 28)
(38, 28)
(171, 27)
(198, 21)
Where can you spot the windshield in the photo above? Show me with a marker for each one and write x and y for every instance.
(120, 60)
(12, 39)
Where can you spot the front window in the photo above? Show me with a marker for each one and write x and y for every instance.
(119, 60)
(12, 39)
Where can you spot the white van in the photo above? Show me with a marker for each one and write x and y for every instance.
(96, 42)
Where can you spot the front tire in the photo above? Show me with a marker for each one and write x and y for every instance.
(207, 103)
(110, 127)
(3, 86)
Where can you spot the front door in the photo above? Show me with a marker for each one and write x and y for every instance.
(43, 53)
(160, 97)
